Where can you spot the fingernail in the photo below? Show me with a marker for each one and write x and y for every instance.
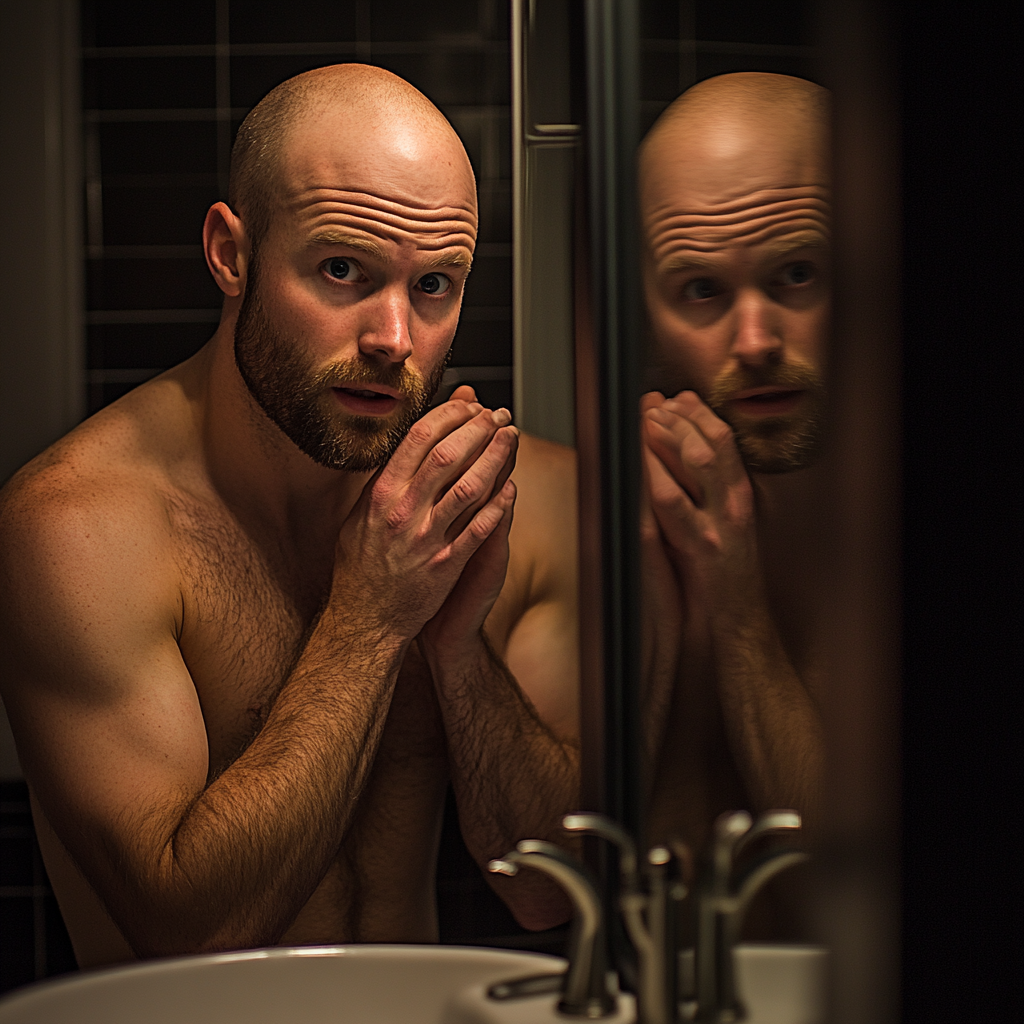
(660, 414)
(501, 417)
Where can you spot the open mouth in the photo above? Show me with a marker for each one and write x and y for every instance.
(769, 401)
(367, 401)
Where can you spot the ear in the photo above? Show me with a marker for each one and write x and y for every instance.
(226, 247)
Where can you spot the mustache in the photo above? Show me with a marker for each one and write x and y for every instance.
(784, 375)
(356, 372)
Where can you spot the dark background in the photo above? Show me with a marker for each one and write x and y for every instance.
(959, 78)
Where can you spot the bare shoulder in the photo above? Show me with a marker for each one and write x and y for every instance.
(84, 528)
(545, 477)
(542, 542)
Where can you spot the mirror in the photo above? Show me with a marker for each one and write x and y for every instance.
(152, 137)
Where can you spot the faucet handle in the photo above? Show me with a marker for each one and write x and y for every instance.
(769, 822)
(585, 993)
(604, 828)
(729, 829)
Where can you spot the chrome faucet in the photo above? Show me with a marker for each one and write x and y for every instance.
(648, 912)
(721, 899)
(585, 991)
(648, 899)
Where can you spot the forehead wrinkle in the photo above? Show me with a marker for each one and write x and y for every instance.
(407, 208)
(682, 258)
(707, 231)
(716, 242)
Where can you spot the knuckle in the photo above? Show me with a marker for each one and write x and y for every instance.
(466, 490)
(420, 433)
(442, 456)
(719, 433)
(701, 456)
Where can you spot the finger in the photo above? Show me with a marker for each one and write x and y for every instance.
(453, 455)
(495, 515)
(672, 507)
(475, 487)
(651, 400)
(463, 393)
(424, 436)
(683, 450)
(718, 433)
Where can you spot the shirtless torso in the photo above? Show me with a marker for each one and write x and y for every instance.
(235, 609)
(242, 609)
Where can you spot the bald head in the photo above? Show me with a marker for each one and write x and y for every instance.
(363, 120)
(737, 134)
(734, 194)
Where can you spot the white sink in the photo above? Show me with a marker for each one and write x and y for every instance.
(303, 985)
(378, 985)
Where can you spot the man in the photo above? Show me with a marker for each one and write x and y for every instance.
(734, 194)
(242, 606)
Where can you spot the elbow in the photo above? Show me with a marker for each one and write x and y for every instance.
(536, 904)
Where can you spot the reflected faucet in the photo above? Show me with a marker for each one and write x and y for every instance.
(722, 897)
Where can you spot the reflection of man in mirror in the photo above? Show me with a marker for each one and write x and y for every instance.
(242, 606)
(734, 193)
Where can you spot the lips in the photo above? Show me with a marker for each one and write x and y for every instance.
(372, 400)
(766, 401)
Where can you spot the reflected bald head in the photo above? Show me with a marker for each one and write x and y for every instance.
(746, 130)
(352, 108)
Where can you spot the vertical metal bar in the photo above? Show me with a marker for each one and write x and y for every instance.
(612, 68)
(519, 269)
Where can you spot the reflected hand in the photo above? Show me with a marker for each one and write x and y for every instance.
(702, 499)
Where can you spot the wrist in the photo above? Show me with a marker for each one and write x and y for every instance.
(447, 658)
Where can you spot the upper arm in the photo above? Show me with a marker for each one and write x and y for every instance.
(105, 715)
(534, 623)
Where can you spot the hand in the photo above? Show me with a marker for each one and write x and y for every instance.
(702, 499)
(423, 517)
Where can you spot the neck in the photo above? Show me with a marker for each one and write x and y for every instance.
(253, 466)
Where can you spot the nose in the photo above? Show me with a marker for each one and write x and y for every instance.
(385, 330)
(756, 339)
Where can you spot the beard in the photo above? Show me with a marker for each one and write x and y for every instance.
(774, 444)
(296, 396)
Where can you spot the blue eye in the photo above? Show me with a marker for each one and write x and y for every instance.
(341, 269)
(702, 288)
(435, 284)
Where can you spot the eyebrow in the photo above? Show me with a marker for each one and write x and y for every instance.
(675, 264)
(360, 244)
(792, 244)
(772, 250)
(457, 258)
(350, 242)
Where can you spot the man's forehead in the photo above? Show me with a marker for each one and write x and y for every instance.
(773, 220)
(332, 216)
(405, 159)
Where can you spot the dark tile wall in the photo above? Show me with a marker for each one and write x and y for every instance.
(33, 941)
(686, 42)
(165, 86)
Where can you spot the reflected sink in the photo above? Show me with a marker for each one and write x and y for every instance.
(778, 984)
(316, 984)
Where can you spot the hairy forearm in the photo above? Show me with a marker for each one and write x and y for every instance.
(245, 855)
(513, 777)
(773, 725)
